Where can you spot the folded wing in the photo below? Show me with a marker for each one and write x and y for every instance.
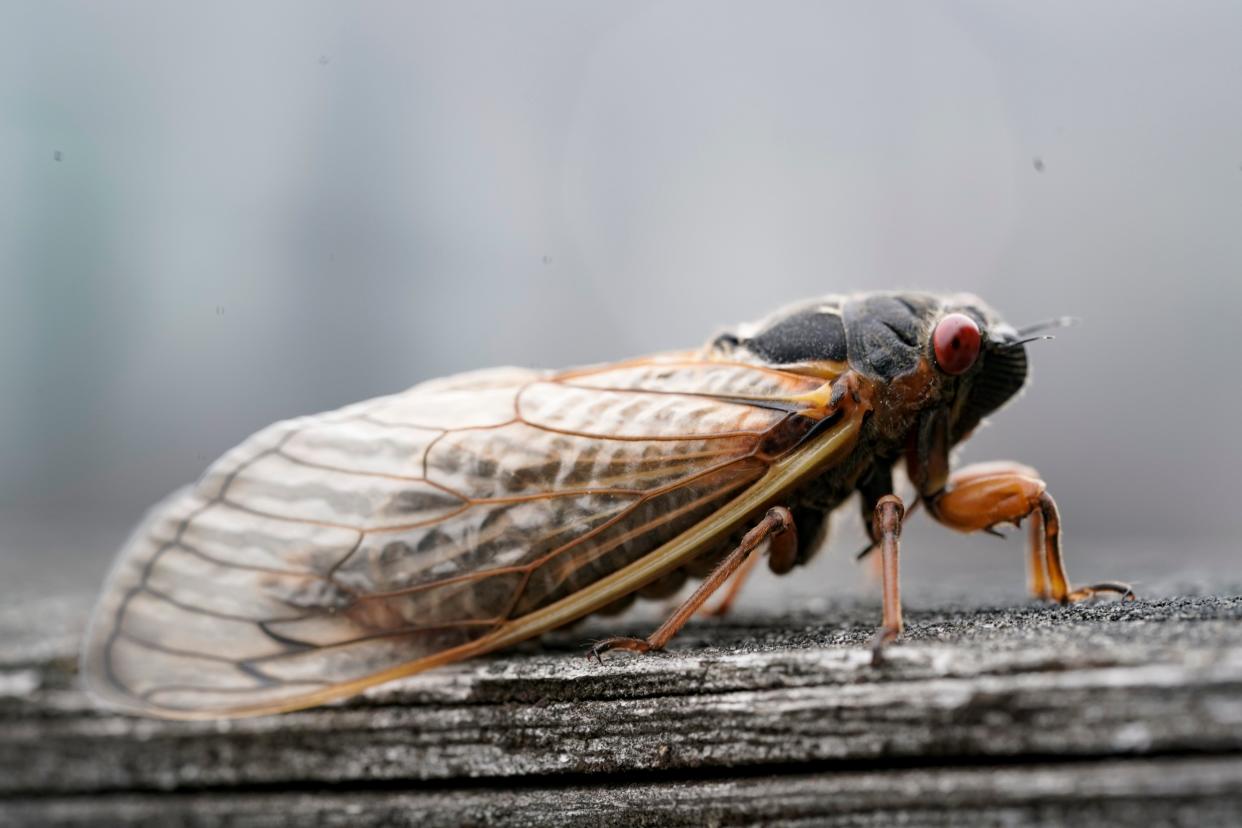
(326, 551)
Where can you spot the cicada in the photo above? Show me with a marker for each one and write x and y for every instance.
(329, 553)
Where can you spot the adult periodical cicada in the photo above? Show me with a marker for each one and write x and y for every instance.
(329, 553)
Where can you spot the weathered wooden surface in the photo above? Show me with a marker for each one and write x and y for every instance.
(1192, 792)
(1022, 715)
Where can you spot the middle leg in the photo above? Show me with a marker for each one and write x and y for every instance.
(886, 528)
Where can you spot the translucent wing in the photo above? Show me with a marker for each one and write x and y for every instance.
(326, 551)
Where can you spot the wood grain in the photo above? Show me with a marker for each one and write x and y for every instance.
(981, 713)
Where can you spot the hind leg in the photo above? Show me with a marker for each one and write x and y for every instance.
(777, 524)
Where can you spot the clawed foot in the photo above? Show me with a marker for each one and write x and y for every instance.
(637, 645)
(879, 641)
(1114, 587)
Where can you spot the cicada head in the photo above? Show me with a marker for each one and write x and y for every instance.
(995, 375)
(953, 352)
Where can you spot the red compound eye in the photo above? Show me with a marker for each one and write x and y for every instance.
(956, 340)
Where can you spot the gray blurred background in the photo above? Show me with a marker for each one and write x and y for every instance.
(217, 215)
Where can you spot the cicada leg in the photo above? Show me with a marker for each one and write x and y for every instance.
(886, 525)
(777, 524)
(984, 495)
(783, 552)
(876, 487)
(733, 590)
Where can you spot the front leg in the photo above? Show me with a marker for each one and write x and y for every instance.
(983, 495)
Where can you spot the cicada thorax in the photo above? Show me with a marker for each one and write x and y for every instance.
(877, 342)
(872, 348)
